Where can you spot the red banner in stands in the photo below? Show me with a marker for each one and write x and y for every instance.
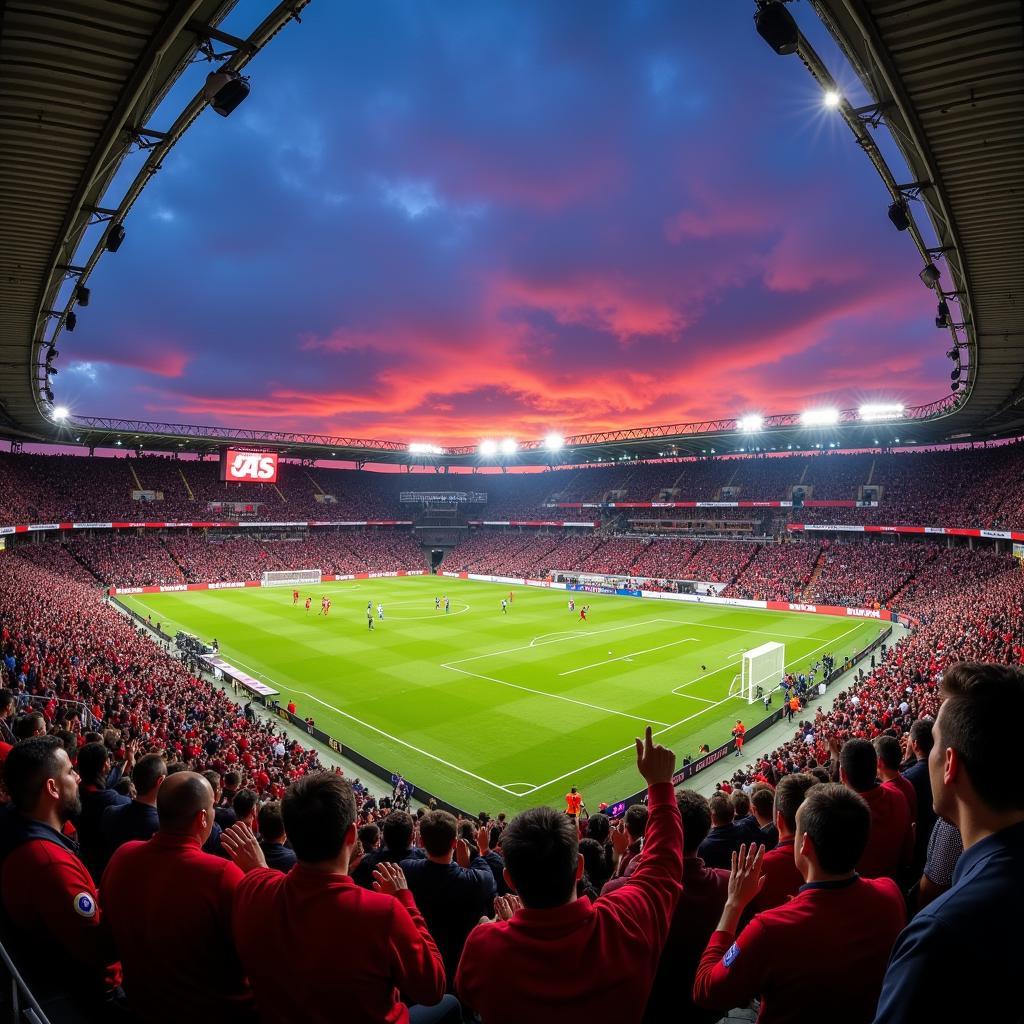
(712, 504)
(208, 525)
(830, 609)
(942, 531)
(531, 522)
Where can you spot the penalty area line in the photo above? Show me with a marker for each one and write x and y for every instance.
(628, 657)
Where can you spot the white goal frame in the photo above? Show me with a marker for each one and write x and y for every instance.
(291, 577)
(761, 671)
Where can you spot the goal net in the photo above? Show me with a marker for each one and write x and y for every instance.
(291, 577)
(762, 670)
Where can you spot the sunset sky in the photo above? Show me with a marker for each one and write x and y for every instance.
(439, 221)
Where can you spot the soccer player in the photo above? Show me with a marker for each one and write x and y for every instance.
(369, 616)
(323, 605)
(295, 597)
(380, 611)
(572, 605)
(573, 802)
(309, 601)
(504, 607)
(437, 604)
(327, 606)
(511, 595)
(739, 733)
(447, 606)
(583, 614)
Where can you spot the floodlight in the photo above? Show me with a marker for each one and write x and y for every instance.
(881, 411)
(955, 386)
(51, 354)
(71, 321)
(224, 90)
(750, 423)
(553, 442)
(488, 448)
(831, 99)
(48, 393)
(955, 375)
(942, 312)
(775, 25)
(115, 236)
(82, 295)
(508, 446)
(899, 215)
(953, 353)
(930, 275)
(422, 449)
(60, 412)
(819, 417)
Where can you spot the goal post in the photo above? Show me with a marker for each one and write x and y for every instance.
(762, 670)
(291, 577)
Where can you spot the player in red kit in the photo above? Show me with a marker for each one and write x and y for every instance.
(739, 734)
(583, 613)
(295, 597)
(327, 606)
(309, 601)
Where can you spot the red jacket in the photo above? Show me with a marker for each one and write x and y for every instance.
(847, 928)
(319, 948)
(169, 906)
(781, 879)
(891, 841)
(906, 787)
(582, 960)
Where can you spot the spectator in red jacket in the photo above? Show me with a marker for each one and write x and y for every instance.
(849, 921)
(890, 846)
(782, 877)
(169, 908)
(348, 953)
(890, 757)
(552, 957)
(697, 913)
(48, 895)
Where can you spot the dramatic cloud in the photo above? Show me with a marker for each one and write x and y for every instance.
(450, 221)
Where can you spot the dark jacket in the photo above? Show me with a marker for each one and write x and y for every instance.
(716, 850)
(278, 856)
(122, 823)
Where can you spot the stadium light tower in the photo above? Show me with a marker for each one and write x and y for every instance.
(508, 446)
(819, 417)
(416, 448)
(553, 442)
(488, 448)
(750, 423)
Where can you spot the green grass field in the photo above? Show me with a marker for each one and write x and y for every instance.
(493, 711)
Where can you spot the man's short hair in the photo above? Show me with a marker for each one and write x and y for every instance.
(91, 761)
(318, 810)
(790, 794)
(636, 820)
(890, 754)
(7, 698)
(740, 803)
(981, 701)
(397, 831)
(438, 830)
(921, 734)
(722, 810)
(270, 822)
(26, 726)
(232, 780)
(696, 815)
(599, 827)
(29, 764)
(369, 836)
(763, 800)
(838, 822)
(541, 851)
(213, 778)
(147, 772)
(243, 803)
(859, 763)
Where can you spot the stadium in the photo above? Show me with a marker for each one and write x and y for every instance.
(425, 685)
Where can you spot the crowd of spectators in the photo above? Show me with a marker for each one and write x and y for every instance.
(867, 574)
(778, 572)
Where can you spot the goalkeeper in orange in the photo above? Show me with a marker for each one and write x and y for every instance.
(573, 804)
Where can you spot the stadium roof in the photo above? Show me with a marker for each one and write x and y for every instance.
(79, 80)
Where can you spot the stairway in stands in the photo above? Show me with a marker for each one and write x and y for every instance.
(819, 565)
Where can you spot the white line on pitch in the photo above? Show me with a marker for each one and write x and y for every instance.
(553, 696)
(632, 654)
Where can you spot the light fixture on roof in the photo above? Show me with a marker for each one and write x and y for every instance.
(48, 393)
(930, 275)
(881, 411)
(819, 417)
(750, 423)
(417, 448)
(508, 446)
(942, 314)
(899, 214)
(224, 90)
(488, 448)
(775, 25)
(82, 295)
(71, 320)
(115, 236)
(955, 375)
(831, 99)
(553, 442)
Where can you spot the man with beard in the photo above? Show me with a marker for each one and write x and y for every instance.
(48, 895)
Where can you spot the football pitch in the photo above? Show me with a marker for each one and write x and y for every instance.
(496, 711)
